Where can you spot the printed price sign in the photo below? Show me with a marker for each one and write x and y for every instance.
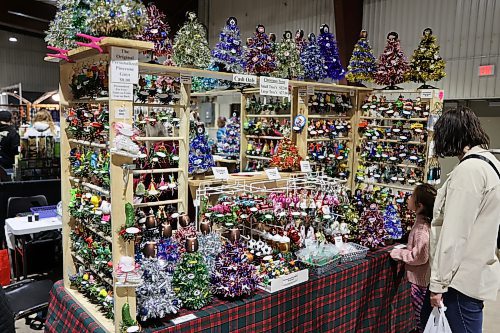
(302, 92)
(273, 86)
(305, 166)
(220, 173)
(246, 79)
(426, 94)
(273, 174)
(185, 78)
(183, 319)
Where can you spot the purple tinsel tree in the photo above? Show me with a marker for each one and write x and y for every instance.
(312, 60)
(259, 56)
(228, 52)
(300, 42)
(371, 228)
(330, 54)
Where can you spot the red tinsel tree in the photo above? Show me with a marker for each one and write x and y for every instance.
(260, 58)
(287, 156)
(392, 63)
(157, 32)
(300, 42)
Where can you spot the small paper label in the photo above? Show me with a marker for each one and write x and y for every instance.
(246, 79)
(302, 92)
(220, 173)
(273, 86)
(185, 78)
(305, 166)
(122, 113)
(351, 93)
(183, 319)
(310, 90)
(123, 54)
(273, 174)
(426, 93)
(122, 91)
(196, 203)
(124, 67)
(338, 241)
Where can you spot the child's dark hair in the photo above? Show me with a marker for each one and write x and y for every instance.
(425, 194)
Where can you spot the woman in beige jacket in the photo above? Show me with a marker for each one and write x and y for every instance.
(464, 266)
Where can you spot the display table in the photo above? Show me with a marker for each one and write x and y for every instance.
(369, 295)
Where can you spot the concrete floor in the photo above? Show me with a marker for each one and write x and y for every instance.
(491, 319)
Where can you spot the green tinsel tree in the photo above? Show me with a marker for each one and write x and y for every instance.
(362, 66)
(191, 281)
(116, 18)
(426, 63)
(191, 45)
(289, 65)
(69, 20)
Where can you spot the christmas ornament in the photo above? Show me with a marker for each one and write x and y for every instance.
(371, 225)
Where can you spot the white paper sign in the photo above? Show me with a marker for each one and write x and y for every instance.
(220, 173)
(246, 79)
(426, 93)
(310, 90)
(273, 86)
(273, 174)
(185, 78)
(122, 113)
(338, 241)
(351, 93)
(302, 92)
(183, 319)
(122, 91)
(196, 203)
(123, 54)
(125, 71)
(305, 166)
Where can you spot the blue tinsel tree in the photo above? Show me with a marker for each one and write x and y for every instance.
(228, 52)
(392, 222)
(229, 147)
(200, 156)
(330, 54)
(362, 66)
(312, 60)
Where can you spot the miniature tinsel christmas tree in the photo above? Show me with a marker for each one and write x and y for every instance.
(362, 66)
(426, 63)
(330, 54)
(228, 52)
(156, 297)
(229, 147)
(234, 276)
(210, 247)
(157, 31)
(69, 20)
(191, 45)
(287, 156)
(287, 58)
(372, 233)
(300, 42)
(259, 57)
(392, 222)
(191, 281)
(351, 218)
(200, 153)
(117, 18)
(314, 68)
(392, 65)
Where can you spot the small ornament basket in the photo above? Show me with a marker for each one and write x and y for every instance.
(45, 211)
(321, 269)
(358, 254)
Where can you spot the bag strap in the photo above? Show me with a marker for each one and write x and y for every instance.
(481, 157)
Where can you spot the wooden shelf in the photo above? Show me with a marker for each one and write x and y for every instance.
(88, 143)
(169, 170)
(91, 268)
(265, 137)
(105, 323)
(417, 143)
(158, 203)
(408, 188)
(152, 105)
(258, 158)
(159, 138)
(328, 139)
(327, 116)
(96, 232)
(401, 165)
(89, 100)
(90, 186)
(395, 119)
(269, 115)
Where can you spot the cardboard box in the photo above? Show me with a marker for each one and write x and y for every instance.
(286, 281)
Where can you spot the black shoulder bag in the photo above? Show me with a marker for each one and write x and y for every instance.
(487, 160)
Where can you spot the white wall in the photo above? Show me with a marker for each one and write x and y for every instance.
(467, 30)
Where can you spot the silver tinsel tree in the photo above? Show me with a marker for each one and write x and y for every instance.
(69, 20)
(210, 247)
(191, 45)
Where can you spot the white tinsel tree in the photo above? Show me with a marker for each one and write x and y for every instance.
(191, 45)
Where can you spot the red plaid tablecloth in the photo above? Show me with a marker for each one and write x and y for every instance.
(369, 295)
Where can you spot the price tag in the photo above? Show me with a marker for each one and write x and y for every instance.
(196, 203)
(310, 90)
(302, 92)
(122, 91)
(338, 241)
(351, 93)
(246, 79)
(220, 173)
(124, 66)
(273, 86)
(305, 166)
(426, 93)
(185, 78)
(273, 174)
(183, 319)
(122, 113)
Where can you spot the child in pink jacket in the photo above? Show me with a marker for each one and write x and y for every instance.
(416, 254)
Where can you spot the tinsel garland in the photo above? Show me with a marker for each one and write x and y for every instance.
(233, 275)
(392, 222)
(228, 52)
(210, 246)
(191, 281)
(330, 54)
(191, 45)
(392, 65)
(155, 297)
(426, 63)
(117, 18)
(312, 60)
(362, 66)
(287, 58)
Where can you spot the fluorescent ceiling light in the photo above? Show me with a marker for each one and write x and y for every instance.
(12, 39)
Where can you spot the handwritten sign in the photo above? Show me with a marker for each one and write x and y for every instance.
(338, 241)
(246, 79)
(122, 113)
(220, 173)
(305, 166)
(273, 86)
(122, 91)
(273, 174)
